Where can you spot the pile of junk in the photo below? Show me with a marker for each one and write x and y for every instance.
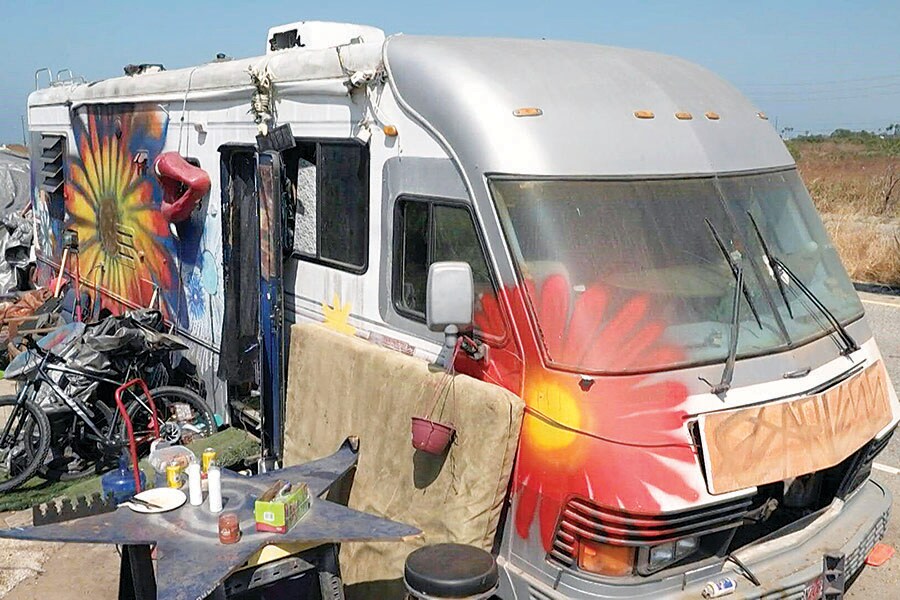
(90, 386)
(96, 390)
(17, 299)
(16, 229)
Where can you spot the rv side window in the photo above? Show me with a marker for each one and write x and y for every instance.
(330, 182)
(428, 232)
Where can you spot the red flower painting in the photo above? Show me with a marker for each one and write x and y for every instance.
(620, 441)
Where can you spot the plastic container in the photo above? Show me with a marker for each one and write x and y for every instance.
(229, 528)
(163, 453)
(120, 482)
(430, 436)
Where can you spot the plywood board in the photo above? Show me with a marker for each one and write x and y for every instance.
(772, 442)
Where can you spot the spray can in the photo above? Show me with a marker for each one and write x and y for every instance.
(720, 588)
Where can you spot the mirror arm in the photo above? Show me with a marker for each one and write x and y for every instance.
(444, 358)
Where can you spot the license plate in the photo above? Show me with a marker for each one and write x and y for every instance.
(814, 589)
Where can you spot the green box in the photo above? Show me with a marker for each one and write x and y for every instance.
(280, 514)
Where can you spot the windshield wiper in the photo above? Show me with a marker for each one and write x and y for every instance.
(733, 265)
(778, 268)
(770, 262)
(736, 262)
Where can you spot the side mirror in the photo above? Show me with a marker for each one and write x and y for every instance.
(449, 303)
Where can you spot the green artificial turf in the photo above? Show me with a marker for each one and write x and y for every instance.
(231, 445)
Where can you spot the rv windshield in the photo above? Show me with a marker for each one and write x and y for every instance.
(627, 276)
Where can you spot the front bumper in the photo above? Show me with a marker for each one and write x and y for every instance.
(786, 567)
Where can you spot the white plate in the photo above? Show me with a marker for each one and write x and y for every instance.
(167, 498)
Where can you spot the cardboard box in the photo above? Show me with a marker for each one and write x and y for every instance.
(280, 514)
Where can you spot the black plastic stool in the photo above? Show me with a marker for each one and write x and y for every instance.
(450, 571)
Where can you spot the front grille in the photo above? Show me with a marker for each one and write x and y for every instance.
(536, 594)
(860, 465)
(854, 561)
(583, 519)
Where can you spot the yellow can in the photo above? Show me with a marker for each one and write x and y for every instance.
(206, 458)
(173, 475)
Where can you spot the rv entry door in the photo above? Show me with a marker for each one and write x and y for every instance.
(252, 353)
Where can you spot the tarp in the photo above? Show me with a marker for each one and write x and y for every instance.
(340, 385)
(15, 182)
(16, 229)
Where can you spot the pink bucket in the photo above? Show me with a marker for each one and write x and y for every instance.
(430, 436)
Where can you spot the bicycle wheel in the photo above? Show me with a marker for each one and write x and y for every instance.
(73, 454)
(22, 418)
(183, 417)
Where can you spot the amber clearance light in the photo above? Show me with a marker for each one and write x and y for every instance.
(605, 559)
(528, 111)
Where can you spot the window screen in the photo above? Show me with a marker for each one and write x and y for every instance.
(330, 183)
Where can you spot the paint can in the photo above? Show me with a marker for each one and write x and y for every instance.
(720, 588)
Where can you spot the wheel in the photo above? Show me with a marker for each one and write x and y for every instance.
(23, 419)
(183, 417)
(72, 455)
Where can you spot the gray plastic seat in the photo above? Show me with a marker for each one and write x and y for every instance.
(450, 571)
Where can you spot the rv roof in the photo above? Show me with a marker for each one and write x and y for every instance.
(589, 98)
(295, 65)
(467, 89)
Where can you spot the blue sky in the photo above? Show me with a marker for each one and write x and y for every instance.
(810, 65)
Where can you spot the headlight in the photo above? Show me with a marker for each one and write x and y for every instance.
(659, 557)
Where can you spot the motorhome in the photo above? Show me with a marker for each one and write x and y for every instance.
(704, 398)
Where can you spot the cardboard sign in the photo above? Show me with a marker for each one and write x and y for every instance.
(771, 442)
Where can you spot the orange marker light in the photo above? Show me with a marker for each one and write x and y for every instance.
(605, 559)
(684, 116)
(389, 130)
(528, 112)
(644, 114)
(712, 116)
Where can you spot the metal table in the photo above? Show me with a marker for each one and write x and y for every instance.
(191, 563)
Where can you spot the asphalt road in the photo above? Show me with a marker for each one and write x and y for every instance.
(883, 313)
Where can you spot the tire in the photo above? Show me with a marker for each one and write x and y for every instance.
(171, 427)
(24, 463)
(71, 456)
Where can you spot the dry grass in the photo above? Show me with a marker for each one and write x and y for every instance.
(857, 190)
(869, 248)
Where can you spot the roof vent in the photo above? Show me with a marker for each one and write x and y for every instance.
(320, 34)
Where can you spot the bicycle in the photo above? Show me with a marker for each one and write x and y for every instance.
(79, 436)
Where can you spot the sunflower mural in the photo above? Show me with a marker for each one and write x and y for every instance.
(112, 201)
(621, 442)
